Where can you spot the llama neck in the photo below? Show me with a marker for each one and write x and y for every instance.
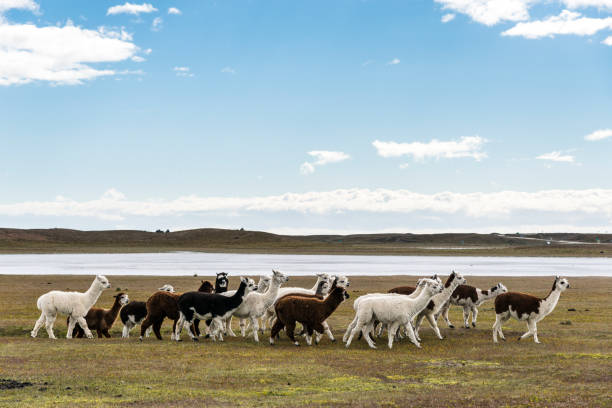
(448, 290)
(422, 300)
(331, 303)
(92, 294)
(416, 293)
(491, 293)
(111, 316)
(314, 288)
(270, 295)
(549, 303)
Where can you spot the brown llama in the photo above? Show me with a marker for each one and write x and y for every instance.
(101, 320)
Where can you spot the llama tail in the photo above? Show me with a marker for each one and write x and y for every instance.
(39, 303)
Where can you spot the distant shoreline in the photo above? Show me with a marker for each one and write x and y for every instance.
(210, 240)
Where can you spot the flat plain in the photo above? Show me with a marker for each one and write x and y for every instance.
(572, 367)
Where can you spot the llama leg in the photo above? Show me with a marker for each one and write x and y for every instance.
(290, 329)
(504, 319)
(466, 317)
(474, 315)
(125, 333)
(255, 323)
(391, 333)
(178, 327)
(228, 324)
(243, 324)
(445, 316)
(278, 326)
(49, 325)
(196, 327)
(145, 325)
(148, 331)
(357, 329)
(327, 331)
(535, 332)
(417, 325)
(530, 326)
(157, 329)
(318, 328)
(349, 329)
(106, 333)
(99, 332)
(434, 325)
(309, 332)
(71, 325)
(39, 323)
(496, 327)
(219, 327)
(83, 323)
(411, 334)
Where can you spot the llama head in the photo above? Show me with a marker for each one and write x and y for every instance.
(499, 288)
(323, 277)
(167, 288)
(433, 287)
(279, 277)
(122, 298)
(560, 284)
(455, 279)
(341, 281)
(206, 287)
(436, 278)
(103, 282)
(221, 281)
(264, 283)
(250, 285)
(322, 288)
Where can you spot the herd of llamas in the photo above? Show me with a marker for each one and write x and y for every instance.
(272, 303)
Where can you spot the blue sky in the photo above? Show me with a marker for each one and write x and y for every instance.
(305, 117)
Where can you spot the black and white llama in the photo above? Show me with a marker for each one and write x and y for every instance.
(470, 298)
(205, 306)
(526, 307)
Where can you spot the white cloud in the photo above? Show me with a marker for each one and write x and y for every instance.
(557, 157)
(129, 8)
(148, 51)
(113, 205)
(307, 168)
(447, 17)
(183, 71)
(599, 135)
(156, 25)
(490, 12)
(18, 4)
(174, 10)
(607, 41)
(116, 33)
(566, 23)
(600, 4)
(137, 58)
(394, 61)
(228, 70)
(470, 146)
(322, 157)
(59, 54)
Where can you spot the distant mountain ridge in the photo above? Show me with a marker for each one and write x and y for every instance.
(215, 236)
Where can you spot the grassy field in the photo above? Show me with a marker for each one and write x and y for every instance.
(573, 366)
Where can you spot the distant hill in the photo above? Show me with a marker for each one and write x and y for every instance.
(224, 240)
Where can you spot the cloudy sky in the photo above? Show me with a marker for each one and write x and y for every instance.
(307, 116)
